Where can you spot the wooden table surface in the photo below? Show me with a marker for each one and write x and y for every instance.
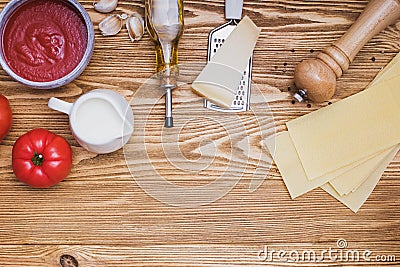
(101, 215)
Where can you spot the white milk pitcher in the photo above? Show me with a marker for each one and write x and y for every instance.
(101, 120)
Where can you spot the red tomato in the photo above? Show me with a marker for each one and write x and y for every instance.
(5, 117)
(41, 159)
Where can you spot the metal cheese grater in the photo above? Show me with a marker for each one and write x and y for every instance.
(233, 12)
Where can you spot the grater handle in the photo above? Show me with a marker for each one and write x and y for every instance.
(233, 9)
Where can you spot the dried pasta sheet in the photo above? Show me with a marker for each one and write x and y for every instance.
(356, 199)
(352, 179)
(348, 131)
(353, 183)
(284, 154)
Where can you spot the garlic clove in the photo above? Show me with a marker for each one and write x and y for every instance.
(111, 25)
(105, 6)
(135, 26)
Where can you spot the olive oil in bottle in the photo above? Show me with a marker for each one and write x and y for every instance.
(164, 22)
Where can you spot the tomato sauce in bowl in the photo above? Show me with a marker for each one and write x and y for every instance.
(45, 43)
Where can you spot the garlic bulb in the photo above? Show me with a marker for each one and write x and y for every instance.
(105, 6)
(135, 26)
(112, 24)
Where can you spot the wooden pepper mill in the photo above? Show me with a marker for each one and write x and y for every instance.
(316, 78)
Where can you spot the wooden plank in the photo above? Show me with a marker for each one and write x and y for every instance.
(198, 255)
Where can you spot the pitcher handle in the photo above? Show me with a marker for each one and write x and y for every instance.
(60, 105)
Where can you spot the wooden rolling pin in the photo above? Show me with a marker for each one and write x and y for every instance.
(316, 78)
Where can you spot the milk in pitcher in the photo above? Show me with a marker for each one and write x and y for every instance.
(98, 121)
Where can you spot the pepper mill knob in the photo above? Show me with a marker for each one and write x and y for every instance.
(316, 78)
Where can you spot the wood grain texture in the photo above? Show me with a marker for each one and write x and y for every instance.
(103, 217)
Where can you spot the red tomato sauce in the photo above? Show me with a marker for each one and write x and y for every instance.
(44, 40)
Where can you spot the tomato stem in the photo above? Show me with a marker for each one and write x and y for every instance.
(37, 159)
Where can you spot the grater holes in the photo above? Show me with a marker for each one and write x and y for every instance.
(216, 44)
